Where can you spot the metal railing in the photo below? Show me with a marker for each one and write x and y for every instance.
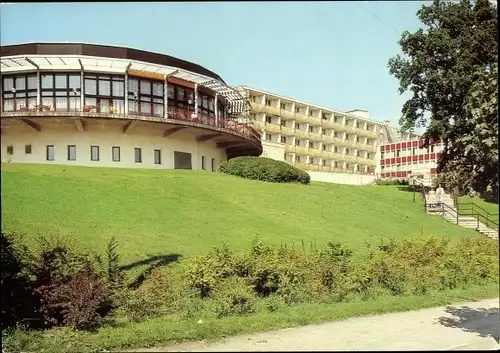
(479, 213)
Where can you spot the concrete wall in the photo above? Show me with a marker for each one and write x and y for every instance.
(341, 178)
(273, 150)
(105, 136)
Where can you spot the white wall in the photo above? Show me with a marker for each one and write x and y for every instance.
(273, 150)
(341, 178)
(105, 136)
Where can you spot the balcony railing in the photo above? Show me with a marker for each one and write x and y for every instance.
(371, 134)
(350, 158)
(327, 123)
(273, 128)
(315, 152)
(287, 131)
(315, 137)
(350, 129)
(350, 143)
(174, 114)
(338, 126)
(272, 110)
(287, 114)
(256, 107)
(301, 118)
(371, 148)
(368, 162)
(328, 139)
(301, 150)
(323, 168)
(314, 121)
(301, 134)
(339, 142)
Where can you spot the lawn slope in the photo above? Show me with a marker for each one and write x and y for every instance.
(153, 212)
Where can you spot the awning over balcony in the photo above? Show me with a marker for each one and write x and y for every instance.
(238, 105)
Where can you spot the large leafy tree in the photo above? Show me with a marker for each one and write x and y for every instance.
(450, 68)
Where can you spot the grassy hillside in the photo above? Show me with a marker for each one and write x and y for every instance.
(155, 212)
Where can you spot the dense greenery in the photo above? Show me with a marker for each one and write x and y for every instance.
(265, 169)
(221, 284)
(450, 67)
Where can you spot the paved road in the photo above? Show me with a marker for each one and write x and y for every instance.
(474, 325)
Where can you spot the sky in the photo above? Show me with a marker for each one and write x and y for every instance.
(332, 54)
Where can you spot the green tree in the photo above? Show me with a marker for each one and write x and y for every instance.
(450, 66)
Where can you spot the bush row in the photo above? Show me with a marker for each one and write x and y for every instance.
(265, 169)
(228, 283)
(382, 182)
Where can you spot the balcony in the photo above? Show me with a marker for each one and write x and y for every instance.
(371, 134)
(287, 131)
(257, 108)
(362, 146)
(328, 139)
(361, 132)
(338, 156)
(327, 155)
(371, 148)
(314, 121)
(289, 148)
(350, 129)
(304, 151)
(338, 127)
(315, 137)
(272, 128)
(301, 118)
(272, 110)
(258, 125)
(339, 142)
(350, 158)
(315, 152)
(286, 114)
(301, 134)
(327, 123)
(350, 143)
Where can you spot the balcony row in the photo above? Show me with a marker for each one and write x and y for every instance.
(314, 121)
(313, 152)
(325, 168)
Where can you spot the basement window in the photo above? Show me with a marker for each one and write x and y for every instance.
(27, 149)
(10, 150)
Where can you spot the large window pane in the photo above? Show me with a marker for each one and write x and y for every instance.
(61, 82)
(72, 153)
(171, 92)
(48, 103)
(8, 84)
(21, 83)
(62, 104)
(133, 85)
(32, 82)
(116, 154)
(74, 104)
(31, 103)
(8, 105)
(50, 152)
(104, 106)
(132, 106)
(145, 87)
(158, 109)
(180, 94)
(145, 108)
(74, 81)
(47, 81)
(90, 105)
(94, 153)
(158, 89)
(90, 87)
(104, 88)
(118, 89)
(118, 106)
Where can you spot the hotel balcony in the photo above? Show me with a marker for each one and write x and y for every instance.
(301, 134)
(286, 114)
(339, 142)
(301, 118)
(332, 155)
(272, 110)
(304, 151)
(338, 127)
(350, 158)
(371, 134)
(272, 128)
(287, 131)
(315, 152)
(368, 162)
(350, 143)
(371, 148)
(327, 123)
(315, 137)
(314, 121)
(257, 108)
(328, 139)
(350, 129)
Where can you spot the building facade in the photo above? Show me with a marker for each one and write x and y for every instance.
(95, 105)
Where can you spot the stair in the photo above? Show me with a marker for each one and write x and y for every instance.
(450, 214)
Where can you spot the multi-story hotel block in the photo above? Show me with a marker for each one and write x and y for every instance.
(314, 138)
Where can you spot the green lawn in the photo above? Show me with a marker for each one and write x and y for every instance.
(154, 212)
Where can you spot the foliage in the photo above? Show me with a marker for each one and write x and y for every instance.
(234, 296)
(265, 169)
(382, 182)
(80, 302)
(450, 67)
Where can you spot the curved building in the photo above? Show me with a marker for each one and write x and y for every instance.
(84, 104)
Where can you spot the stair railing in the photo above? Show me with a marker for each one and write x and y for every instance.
(481, 215)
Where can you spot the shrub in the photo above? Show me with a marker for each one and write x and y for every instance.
(233, 296)
(80, 302)
(383, 182)
(265, 169)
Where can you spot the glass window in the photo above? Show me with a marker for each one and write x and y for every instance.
(133, 85)
(118, 106)
(61, 81)
(27, 149)
(203, 162)
(47, 81)
(157, 89)
(94, 153)
(8, 84)
(145, 108)
(145, 87)
(138, 155)
(181, 94)
(74, 81)
(118, 89)
(74, 104)
(50, 152)
(115, 151)
(32, 82)
(62, 104)
(10, 150)
(21, 83)
(90, 87)
(72, 153)
(157, 156)
(171, 92)
(104, 87)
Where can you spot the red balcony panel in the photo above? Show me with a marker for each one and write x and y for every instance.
(405, 145)
(393, 160)
(393, 174)
(398, 146)
(403, 159)
(421, 143)
(414, 158)
(382, 162)
(398, 160)
(433, 156)
(421, 157)
(398, 174)
(391, 147)
(437, 155)
(426, 156)
(414, 144)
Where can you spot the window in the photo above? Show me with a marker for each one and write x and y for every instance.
(94, 153)
(268, 119)
(323, 116)
(311, 160)
(336, 149)
(283, 139)
(146, 97)
(27, 149)
(297, 110)
(157, 155)
(60, 92)
(10, 150)
(311, 144)
(115, 151)
(71, 153)
(213, 164)
(138, 155)
(357, 154)
(311, 129)
(19, 92)
(104, 94)
(297, 158)
(324, 147)
(50, 152)
(282, 105)
(268, 102)
(283, 122)
(323, 131)
(268, 137)
(203, 162)
(297, 142)
(205, 103)
(324, 162)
